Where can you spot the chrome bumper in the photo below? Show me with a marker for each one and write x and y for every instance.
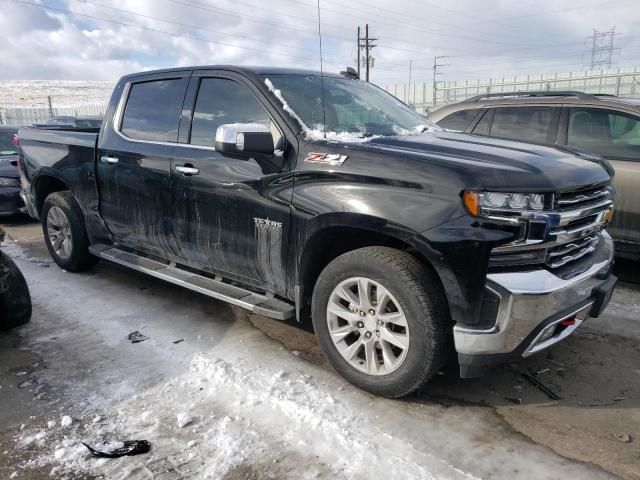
(533, 303)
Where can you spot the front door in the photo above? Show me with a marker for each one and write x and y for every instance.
(233, 213)
(134, 163)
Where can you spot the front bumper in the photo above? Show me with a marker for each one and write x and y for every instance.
(10, 201)
(536, 309)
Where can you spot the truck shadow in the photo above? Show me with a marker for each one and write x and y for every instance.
(17, 220)
(588, 370)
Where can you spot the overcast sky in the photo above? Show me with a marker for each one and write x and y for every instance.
(104, 39)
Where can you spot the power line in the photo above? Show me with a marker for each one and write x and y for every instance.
(150, 29)
(187, 25)
(208, 7)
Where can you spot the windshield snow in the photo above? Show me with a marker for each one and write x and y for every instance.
(354, 110)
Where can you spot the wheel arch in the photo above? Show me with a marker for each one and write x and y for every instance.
(45, 185)
(329, 242)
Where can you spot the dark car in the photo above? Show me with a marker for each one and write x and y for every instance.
(15, 300)
(70, 121)
(606, 125)
(290, 193)
(10, 201)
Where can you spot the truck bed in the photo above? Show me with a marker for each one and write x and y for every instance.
(66, 154)
(78, 137)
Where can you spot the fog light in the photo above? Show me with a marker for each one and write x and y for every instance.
(547, 332)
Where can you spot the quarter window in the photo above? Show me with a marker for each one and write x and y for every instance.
(221, 101)
(531, 124)
(153, 110)
(605, 132)
(458, 120)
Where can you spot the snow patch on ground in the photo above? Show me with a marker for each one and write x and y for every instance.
(257, 416)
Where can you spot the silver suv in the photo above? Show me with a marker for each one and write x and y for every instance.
(603, 124)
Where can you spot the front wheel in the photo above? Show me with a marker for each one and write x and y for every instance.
(65, 233)
(381, 319)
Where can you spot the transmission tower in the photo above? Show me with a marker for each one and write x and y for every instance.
(602, 48)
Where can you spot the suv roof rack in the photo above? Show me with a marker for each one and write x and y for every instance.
(557, 93)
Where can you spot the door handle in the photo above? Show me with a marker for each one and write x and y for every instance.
(187, 170)
(109, 160)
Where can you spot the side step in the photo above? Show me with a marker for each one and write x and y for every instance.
(261, 304)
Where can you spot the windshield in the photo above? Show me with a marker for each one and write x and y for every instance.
(352, 107)
(6, 142)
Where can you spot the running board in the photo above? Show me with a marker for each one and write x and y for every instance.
(261, 304)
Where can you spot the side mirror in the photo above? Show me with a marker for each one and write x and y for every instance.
(244, 139)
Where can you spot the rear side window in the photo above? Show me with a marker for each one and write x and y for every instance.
(531, 124)
(221, 101)
(153, 110)
(458, 120)
(605, 132)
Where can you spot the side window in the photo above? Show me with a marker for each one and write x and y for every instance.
(605, 132)
(484, 125)
(153, 110)
(529, 123)
(458, 120)
(222, 101)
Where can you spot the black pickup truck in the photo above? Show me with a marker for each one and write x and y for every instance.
(293, 194)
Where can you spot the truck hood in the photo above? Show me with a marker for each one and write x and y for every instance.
(501, 164)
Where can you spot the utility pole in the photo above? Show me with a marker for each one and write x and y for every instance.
(358, 48)
(602, 48)
(409, 93)
(367, 44)
(50, 106)
(366, 47)
(436, 73)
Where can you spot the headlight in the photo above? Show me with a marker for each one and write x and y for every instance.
(486, 204)
(9, 182)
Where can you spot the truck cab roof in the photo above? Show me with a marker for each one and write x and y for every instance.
(245, 70)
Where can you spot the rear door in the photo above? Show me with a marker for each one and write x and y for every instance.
(134, 162)
(232, 213)
(614, 134)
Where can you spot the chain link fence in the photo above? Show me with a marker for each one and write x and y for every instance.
(31, 116)
(423, 96)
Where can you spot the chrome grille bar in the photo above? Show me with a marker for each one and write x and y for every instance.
(573, 227)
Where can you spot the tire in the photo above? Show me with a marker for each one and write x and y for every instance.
(15, 300)
(62, 218)
(409, 289)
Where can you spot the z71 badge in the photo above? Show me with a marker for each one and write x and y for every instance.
(333, 159)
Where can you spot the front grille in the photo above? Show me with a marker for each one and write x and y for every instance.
(580, 197)
(563, 254)
(573, 228)
(578, 236)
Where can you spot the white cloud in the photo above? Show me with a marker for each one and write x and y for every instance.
(494, 37)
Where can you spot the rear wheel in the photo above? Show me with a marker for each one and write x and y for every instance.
(381, 319)
(65, 233)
